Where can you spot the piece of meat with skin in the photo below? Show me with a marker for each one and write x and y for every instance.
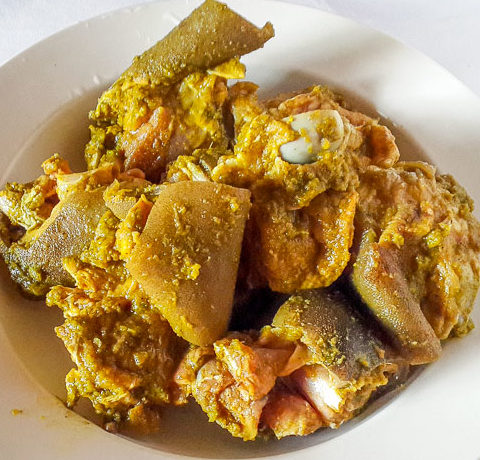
(289, 414)
(347, 362)
(317, 365)
(187, 256)
(425, 222)
(231, 380)
(190, 117)
(226, 402)
(125, 353)
(147, 147)
(380, 281)
(187, 117)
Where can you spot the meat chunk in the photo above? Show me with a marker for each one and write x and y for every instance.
(35, 261)
(379, 280)
(287, 413)
(29, 205)
(316, 365)
(147, 147)
(306, 248)
(187, 257)
(231, 381)
(424, 223)
(348, 361)
(124, 361)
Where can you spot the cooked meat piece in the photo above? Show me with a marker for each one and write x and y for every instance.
(29, 205)
(147, 147)
(186, 259)
(124, 359)
(257, 163)
(302, 249)
(170, 100)
(209, 36)
(287, 413)
(35, 261)
(378, 278)
(231, 380)
(380, 146)
(191, 117)
(318, 347)
(347, 361)
(424, 224)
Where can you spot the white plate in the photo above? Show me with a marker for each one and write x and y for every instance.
(45, 95)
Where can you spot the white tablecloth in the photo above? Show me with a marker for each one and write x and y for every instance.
(446, 30)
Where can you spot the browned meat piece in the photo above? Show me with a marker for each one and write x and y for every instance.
(191, 117)
(231, 381)
(379, 280)
(147, 147)
(35, 261)
(424, 225)
(209, 36)
(348, 361)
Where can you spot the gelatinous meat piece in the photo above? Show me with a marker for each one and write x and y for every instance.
(187, 257)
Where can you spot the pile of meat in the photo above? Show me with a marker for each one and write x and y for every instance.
(273, 259)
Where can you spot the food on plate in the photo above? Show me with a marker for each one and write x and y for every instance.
(273, 260)
(187, 256)
(170, 100)
(318, 355)
(408, 216)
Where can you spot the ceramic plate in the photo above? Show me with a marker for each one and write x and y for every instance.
(45, 96)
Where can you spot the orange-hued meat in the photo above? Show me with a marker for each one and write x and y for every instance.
(422, 245)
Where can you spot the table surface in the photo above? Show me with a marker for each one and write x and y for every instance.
(445, 30)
